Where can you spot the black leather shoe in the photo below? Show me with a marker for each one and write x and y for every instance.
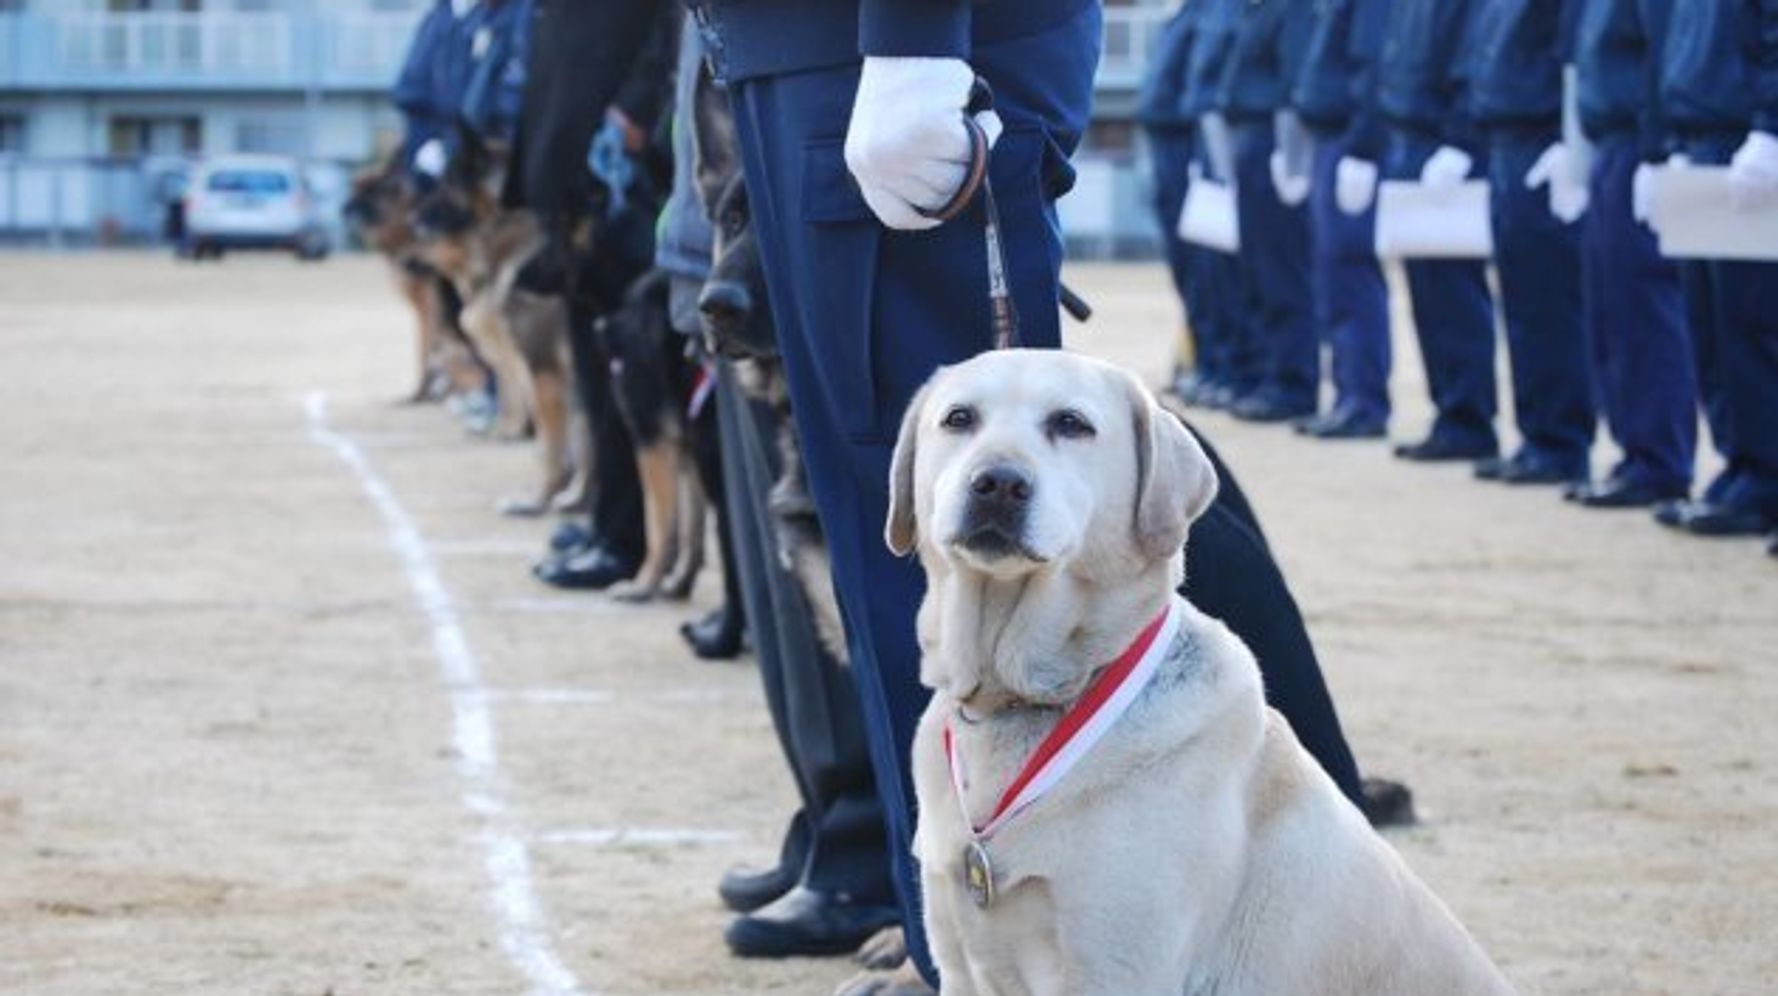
(590, 570)
(1443, 449)
(716, 637)
(1387, 803)
(1621, 494)
(1672, 514)
(806, 922)
(570, 536)
(747, 889)
(1726, 520)
(1524, 469)
(1268, 410)
(1491, 469)
(1344, 425)
(1772, 545)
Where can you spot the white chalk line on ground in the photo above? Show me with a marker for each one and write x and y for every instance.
(518, 913)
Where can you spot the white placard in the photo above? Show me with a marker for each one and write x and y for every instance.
(1415, 221)
(1694, 214)
(1210, 218)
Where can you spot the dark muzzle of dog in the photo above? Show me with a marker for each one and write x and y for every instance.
(994, 520)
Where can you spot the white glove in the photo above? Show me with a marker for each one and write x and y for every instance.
(1355, 185)
(1559, 169)
(431, 159)
(907, 146)
(1293, 190)
(1642, 186)
(1753, 172)
(1447, 169)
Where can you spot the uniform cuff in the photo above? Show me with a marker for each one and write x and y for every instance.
(931, 28)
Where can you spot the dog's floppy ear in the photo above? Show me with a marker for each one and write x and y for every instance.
(902, 531)
(1175, 482)
(715, 147)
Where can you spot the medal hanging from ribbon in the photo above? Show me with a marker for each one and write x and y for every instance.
(1083, 725)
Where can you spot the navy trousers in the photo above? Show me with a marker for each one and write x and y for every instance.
(1221, 325)
(1274, 264)
(1453, 320)
(1636, 330)
(1538, 258)
(1170, 157)
(1351, 297)
(1733, 307)
(866, 315)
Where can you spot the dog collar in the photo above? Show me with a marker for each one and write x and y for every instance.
(1111, 694)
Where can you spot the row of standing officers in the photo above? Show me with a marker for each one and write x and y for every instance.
(1565, 107)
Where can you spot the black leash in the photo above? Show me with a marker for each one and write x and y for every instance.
(1004, 313)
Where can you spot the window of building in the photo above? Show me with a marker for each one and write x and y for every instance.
(285, 135)
(12, 133)
(155, 136)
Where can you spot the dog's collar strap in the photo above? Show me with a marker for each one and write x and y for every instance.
(1111, 695)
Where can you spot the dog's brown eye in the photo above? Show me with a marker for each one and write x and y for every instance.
(961, 418)
(1068, 424)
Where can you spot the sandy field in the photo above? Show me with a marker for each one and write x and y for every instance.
(281, 711)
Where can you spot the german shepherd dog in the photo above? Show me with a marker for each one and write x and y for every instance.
(662, 391)
(514, 313)
(737, 323)
(379, 210)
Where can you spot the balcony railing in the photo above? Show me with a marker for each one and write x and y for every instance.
(215, 50)
(1130, 37)
(202, 51)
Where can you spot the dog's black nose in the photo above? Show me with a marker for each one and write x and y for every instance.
(725, 305)
(1001, 485)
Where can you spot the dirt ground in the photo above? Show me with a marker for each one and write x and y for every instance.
(232, 760)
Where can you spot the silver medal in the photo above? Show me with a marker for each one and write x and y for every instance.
(978, 874)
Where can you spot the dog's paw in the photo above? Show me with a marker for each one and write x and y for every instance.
(520, 508)
(904, 981)
(887, 949)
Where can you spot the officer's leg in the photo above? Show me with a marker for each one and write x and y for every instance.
(1275, 272)
(865, 315)
(1539, 263)
(1747, 344)
(1635, 311)
(1454, 322)
(814, 709)
(1170, 160)
(1351, 297)
(1231, 576)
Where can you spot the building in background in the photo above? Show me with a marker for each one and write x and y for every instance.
(105, 103)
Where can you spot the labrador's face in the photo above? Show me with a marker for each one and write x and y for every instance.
(1030, 460)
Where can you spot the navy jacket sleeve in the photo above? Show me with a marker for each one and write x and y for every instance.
(933, 28)
(1459, 125)
(412, 92)
(580, 55)
(1655, 134)
(1765, 69)
(1369, 18)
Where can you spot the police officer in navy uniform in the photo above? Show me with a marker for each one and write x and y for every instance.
(1719, 100)
(1168, 131)
(1639, 348)
(1271, 38)
(1336, 97)
(1422, 79)
(1518, 51)
(1230, 363)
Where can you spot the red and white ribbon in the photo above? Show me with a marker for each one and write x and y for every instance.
(1111, 695)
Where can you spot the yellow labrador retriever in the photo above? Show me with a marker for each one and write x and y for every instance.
(1107, 805)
